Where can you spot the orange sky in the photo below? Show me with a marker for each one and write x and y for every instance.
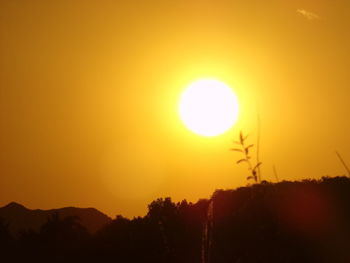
(89, 95)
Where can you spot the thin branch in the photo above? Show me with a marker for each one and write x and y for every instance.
(343, 162)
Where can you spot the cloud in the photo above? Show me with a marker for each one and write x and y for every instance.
(307, 14)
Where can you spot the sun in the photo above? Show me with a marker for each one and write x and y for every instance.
(208, 107)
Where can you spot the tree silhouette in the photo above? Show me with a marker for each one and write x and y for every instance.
(6, 240)
(59, 238)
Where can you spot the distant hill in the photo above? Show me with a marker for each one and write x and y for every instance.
(22, 218)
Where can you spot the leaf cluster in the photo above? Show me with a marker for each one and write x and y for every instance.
(245, 150)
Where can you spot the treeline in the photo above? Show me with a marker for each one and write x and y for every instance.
(306, 221)
(168, 233)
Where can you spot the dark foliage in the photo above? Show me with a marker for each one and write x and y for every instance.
(299, 222)
(306, 221)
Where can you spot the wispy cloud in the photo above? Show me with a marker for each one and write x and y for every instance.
(307, 14)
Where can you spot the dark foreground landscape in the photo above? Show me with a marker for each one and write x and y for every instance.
(306, 221)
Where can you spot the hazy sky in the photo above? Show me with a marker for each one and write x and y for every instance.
(89, 94)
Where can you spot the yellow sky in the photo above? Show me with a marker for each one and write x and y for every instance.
(89, 94)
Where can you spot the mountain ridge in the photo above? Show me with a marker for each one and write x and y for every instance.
(21, 218)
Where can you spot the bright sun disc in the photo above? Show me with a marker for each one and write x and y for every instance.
(208, 107)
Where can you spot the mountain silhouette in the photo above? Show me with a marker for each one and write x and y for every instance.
(22, 218)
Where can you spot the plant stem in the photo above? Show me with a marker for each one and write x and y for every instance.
(258, 149)
(275, 173)
(343, 162)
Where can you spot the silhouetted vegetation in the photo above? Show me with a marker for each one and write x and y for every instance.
(254, 172)
(307, 221)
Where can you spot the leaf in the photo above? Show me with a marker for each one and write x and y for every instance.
(257, 165)
(241, 137)
(236, 142)
(250, 177)
(242, 160)
(246, 149)
(237, 150)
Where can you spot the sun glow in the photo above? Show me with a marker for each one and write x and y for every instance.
(208, 107)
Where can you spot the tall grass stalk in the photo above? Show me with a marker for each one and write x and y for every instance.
(343, 162)
(275, 173)
(258, 148)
